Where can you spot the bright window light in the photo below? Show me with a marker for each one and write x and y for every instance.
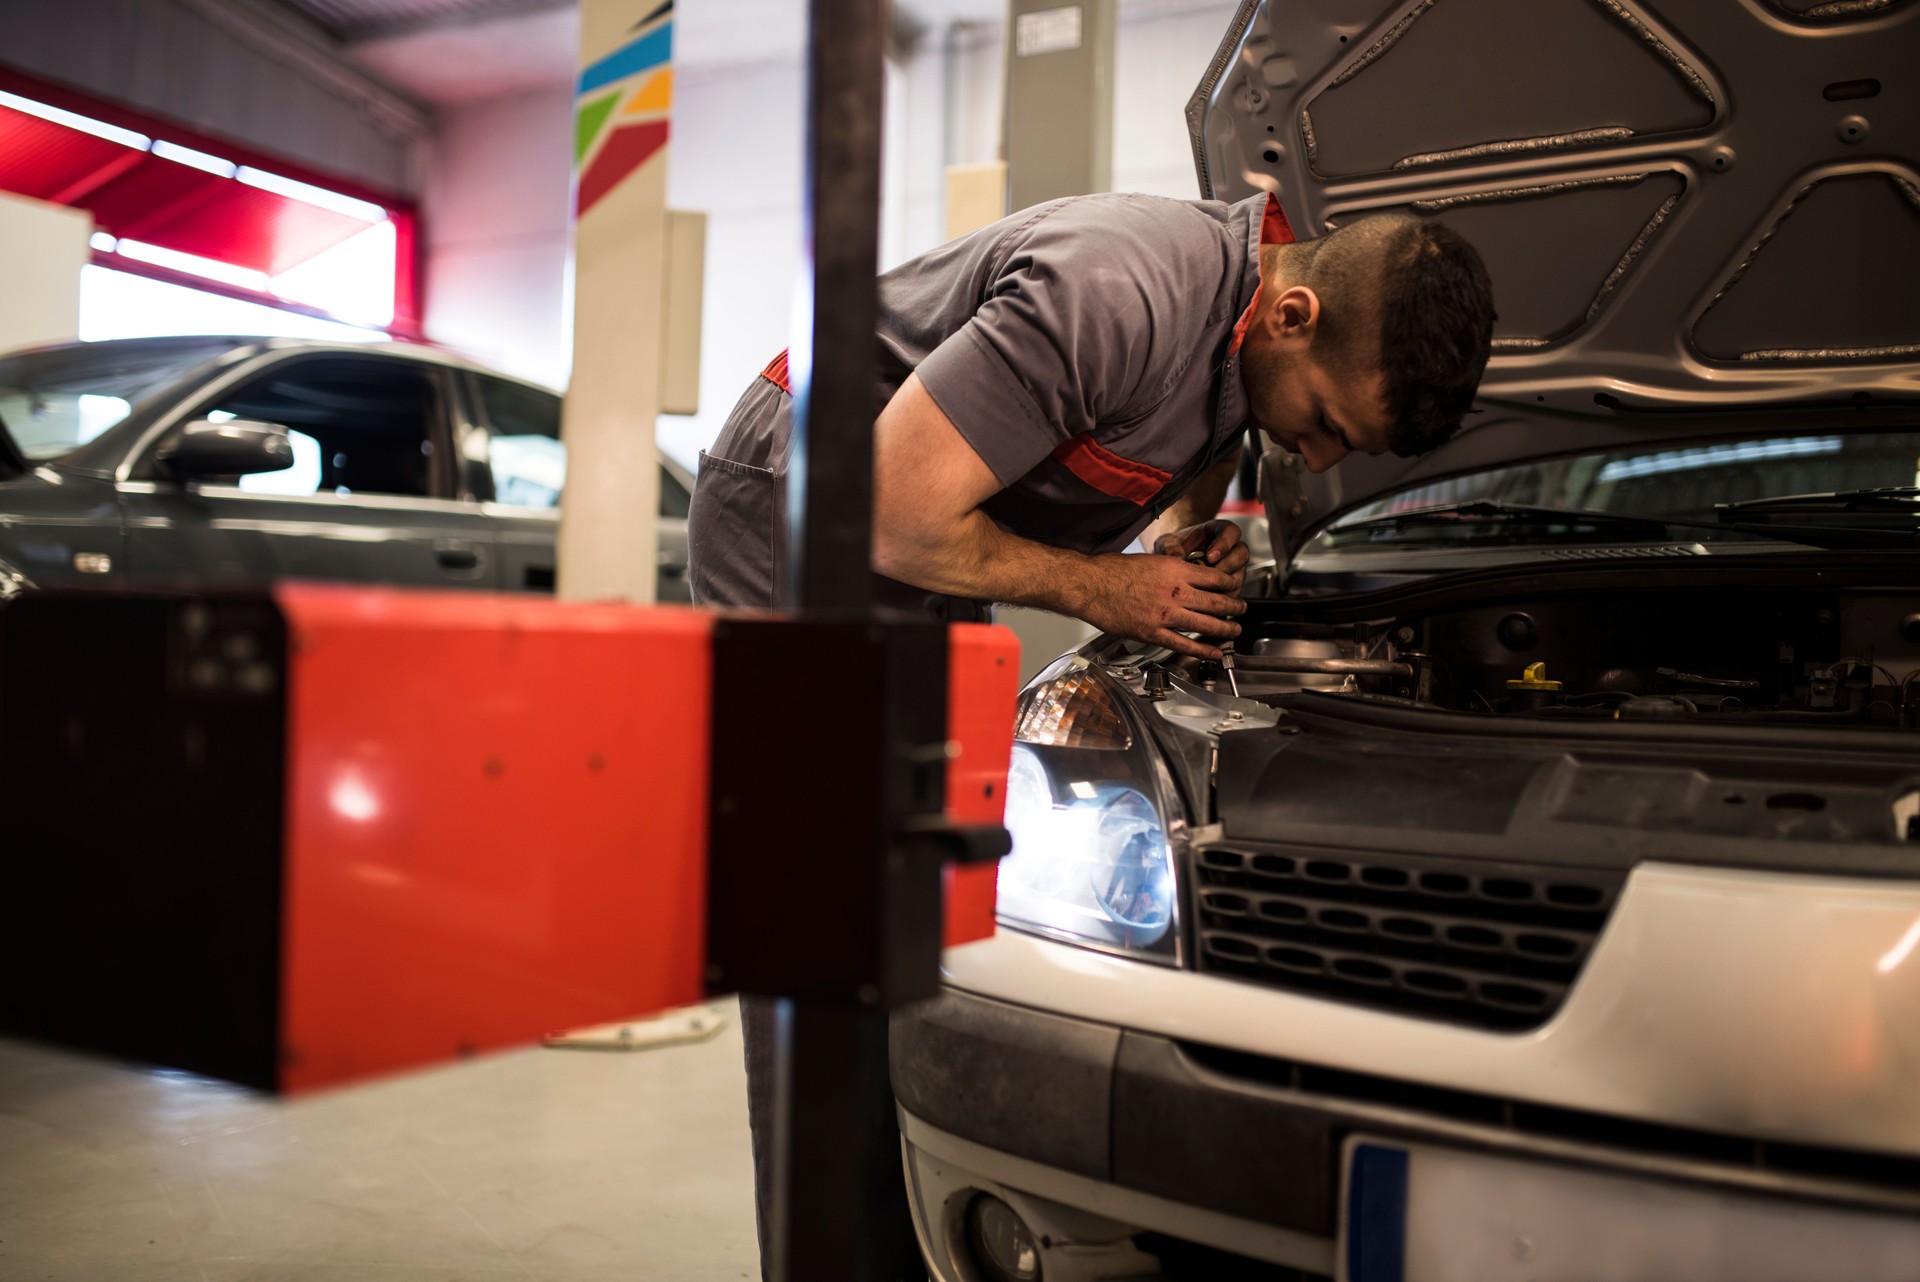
(121, 305)
(102, 241)
(193, 264)
(97, 414)
(72, 120)
(365, 211)
(300, 479)
(1689, 460)
(195, 159)
(353, 280)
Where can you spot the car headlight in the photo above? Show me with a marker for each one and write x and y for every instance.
(1089, 810)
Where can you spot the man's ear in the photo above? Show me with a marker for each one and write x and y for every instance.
(1294, 316)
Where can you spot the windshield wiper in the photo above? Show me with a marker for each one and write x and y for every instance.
(1891, 500)
(1473, 510)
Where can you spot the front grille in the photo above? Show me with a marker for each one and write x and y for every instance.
(1496, 945)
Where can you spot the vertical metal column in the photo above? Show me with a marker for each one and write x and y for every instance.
(831, 364)
(836, 1213)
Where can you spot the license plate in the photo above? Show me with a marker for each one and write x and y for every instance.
(1419, 1213)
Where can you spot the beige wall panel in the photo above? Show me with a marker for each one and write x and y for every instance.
(976, 196)
(42, 249)
(680, 332)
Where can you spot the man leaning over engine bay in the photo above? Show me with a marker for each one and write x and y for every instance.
(1078, 375)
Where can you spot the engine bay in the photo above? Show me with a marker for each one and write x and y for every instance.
(1835, 646)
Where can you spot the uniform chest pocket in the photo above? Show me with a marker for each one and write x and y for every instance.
(737, 534)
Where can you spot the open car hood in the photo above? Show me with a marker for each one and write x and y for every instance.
(1696, 213)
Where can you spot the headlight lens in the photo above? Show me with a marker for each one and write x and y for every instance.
(1092, 860)
(1072, 711)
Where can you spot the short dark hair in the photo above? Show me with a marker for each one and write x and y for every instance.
(1434, 304)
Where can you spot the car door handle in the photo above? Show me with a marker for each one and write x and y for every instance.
(457, 554)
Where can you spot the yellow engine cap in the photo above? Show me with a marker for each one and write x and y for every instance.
(1534, 678)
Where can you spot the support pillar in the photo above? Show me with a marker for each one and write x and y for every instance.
(1059, 118)
(609, 515)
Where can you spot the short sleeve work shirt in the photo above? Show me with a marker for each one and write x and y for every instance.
(1087, 349)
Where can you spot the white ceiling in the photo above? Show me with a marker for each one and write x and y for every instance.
(470, 49)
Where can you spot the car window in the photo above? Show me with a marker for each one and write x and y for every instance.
(528, 460)
(357, 426)
(56, 399)
(524, 453)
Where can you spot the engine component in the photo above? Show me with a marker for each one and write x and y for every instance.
(1653, 707)
(1823, 690)
(1326, 667)
(1668, 681)
(1532, 687)
(1518, 632)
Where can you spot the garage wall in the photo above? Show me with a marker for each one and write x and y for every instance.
(1160, 54)
(496, 213)
(736, 152)
(228, 67)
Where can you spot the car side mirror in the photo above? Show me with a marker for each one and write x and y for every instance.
(237, 447)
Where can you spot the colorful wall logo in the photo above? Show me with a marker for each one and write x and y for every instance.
(621, 108)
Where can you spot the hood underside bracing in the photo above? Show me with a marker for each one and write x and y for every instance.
(1685, 205)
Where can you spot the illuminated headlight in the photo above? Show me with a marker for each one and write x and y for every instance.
(1092, 857)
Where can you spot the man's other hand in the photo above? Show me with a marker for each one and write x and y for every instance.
(1156, 598)
(1219, 541)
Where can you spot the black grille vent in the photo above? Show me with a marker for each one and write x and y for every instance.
(1490, 944)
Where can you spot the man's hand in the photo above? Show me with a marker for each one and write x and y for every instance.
(928, 530)
(1149, 597)
(1219, 541)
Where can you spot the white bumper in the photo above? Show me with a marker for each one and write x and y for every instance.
(1763, 1005)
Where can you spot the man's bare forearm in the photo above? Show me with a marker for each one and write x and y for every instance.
(981, 561)
(929, 530)
(1201, 503)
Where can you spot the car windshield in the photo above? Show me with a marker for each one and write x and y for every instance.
(1658, 484)
(56, 399)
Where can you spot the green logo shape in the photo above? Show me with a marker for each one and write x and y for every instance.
(588, 123)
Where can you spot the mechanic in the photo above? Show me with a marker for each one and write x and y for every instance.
(1058, 383)
(1055, 384)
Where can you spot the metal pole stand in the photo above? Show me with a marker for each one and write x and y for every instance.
(834, 813)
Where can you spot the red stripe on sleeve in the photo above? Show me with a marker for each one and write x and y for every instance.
(1121, 478)
(776, 373)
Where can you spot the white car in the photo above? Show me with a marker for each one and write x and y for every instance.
(1538, 897)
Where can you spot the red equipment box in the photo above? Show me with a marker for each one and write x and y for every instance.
(298, 839)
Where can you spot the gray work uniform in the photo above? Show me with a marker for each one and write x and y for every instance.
(1087, 349)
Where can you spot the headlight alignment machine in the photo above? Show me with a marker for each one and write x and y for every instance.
(305, 836)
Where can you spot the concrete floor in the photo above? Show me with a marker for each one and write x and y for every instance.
(555, 1165)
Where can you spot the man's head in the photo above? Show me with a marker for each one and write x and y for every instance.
(1371, 338)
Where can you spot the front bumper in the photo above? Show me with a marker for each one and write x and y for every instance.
(1098, 1134)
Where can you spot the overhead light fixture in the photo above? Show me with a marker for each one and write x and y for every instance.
(306, 193)
(73, 120)
(193, 264)
(102, 241)
(195, 159)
